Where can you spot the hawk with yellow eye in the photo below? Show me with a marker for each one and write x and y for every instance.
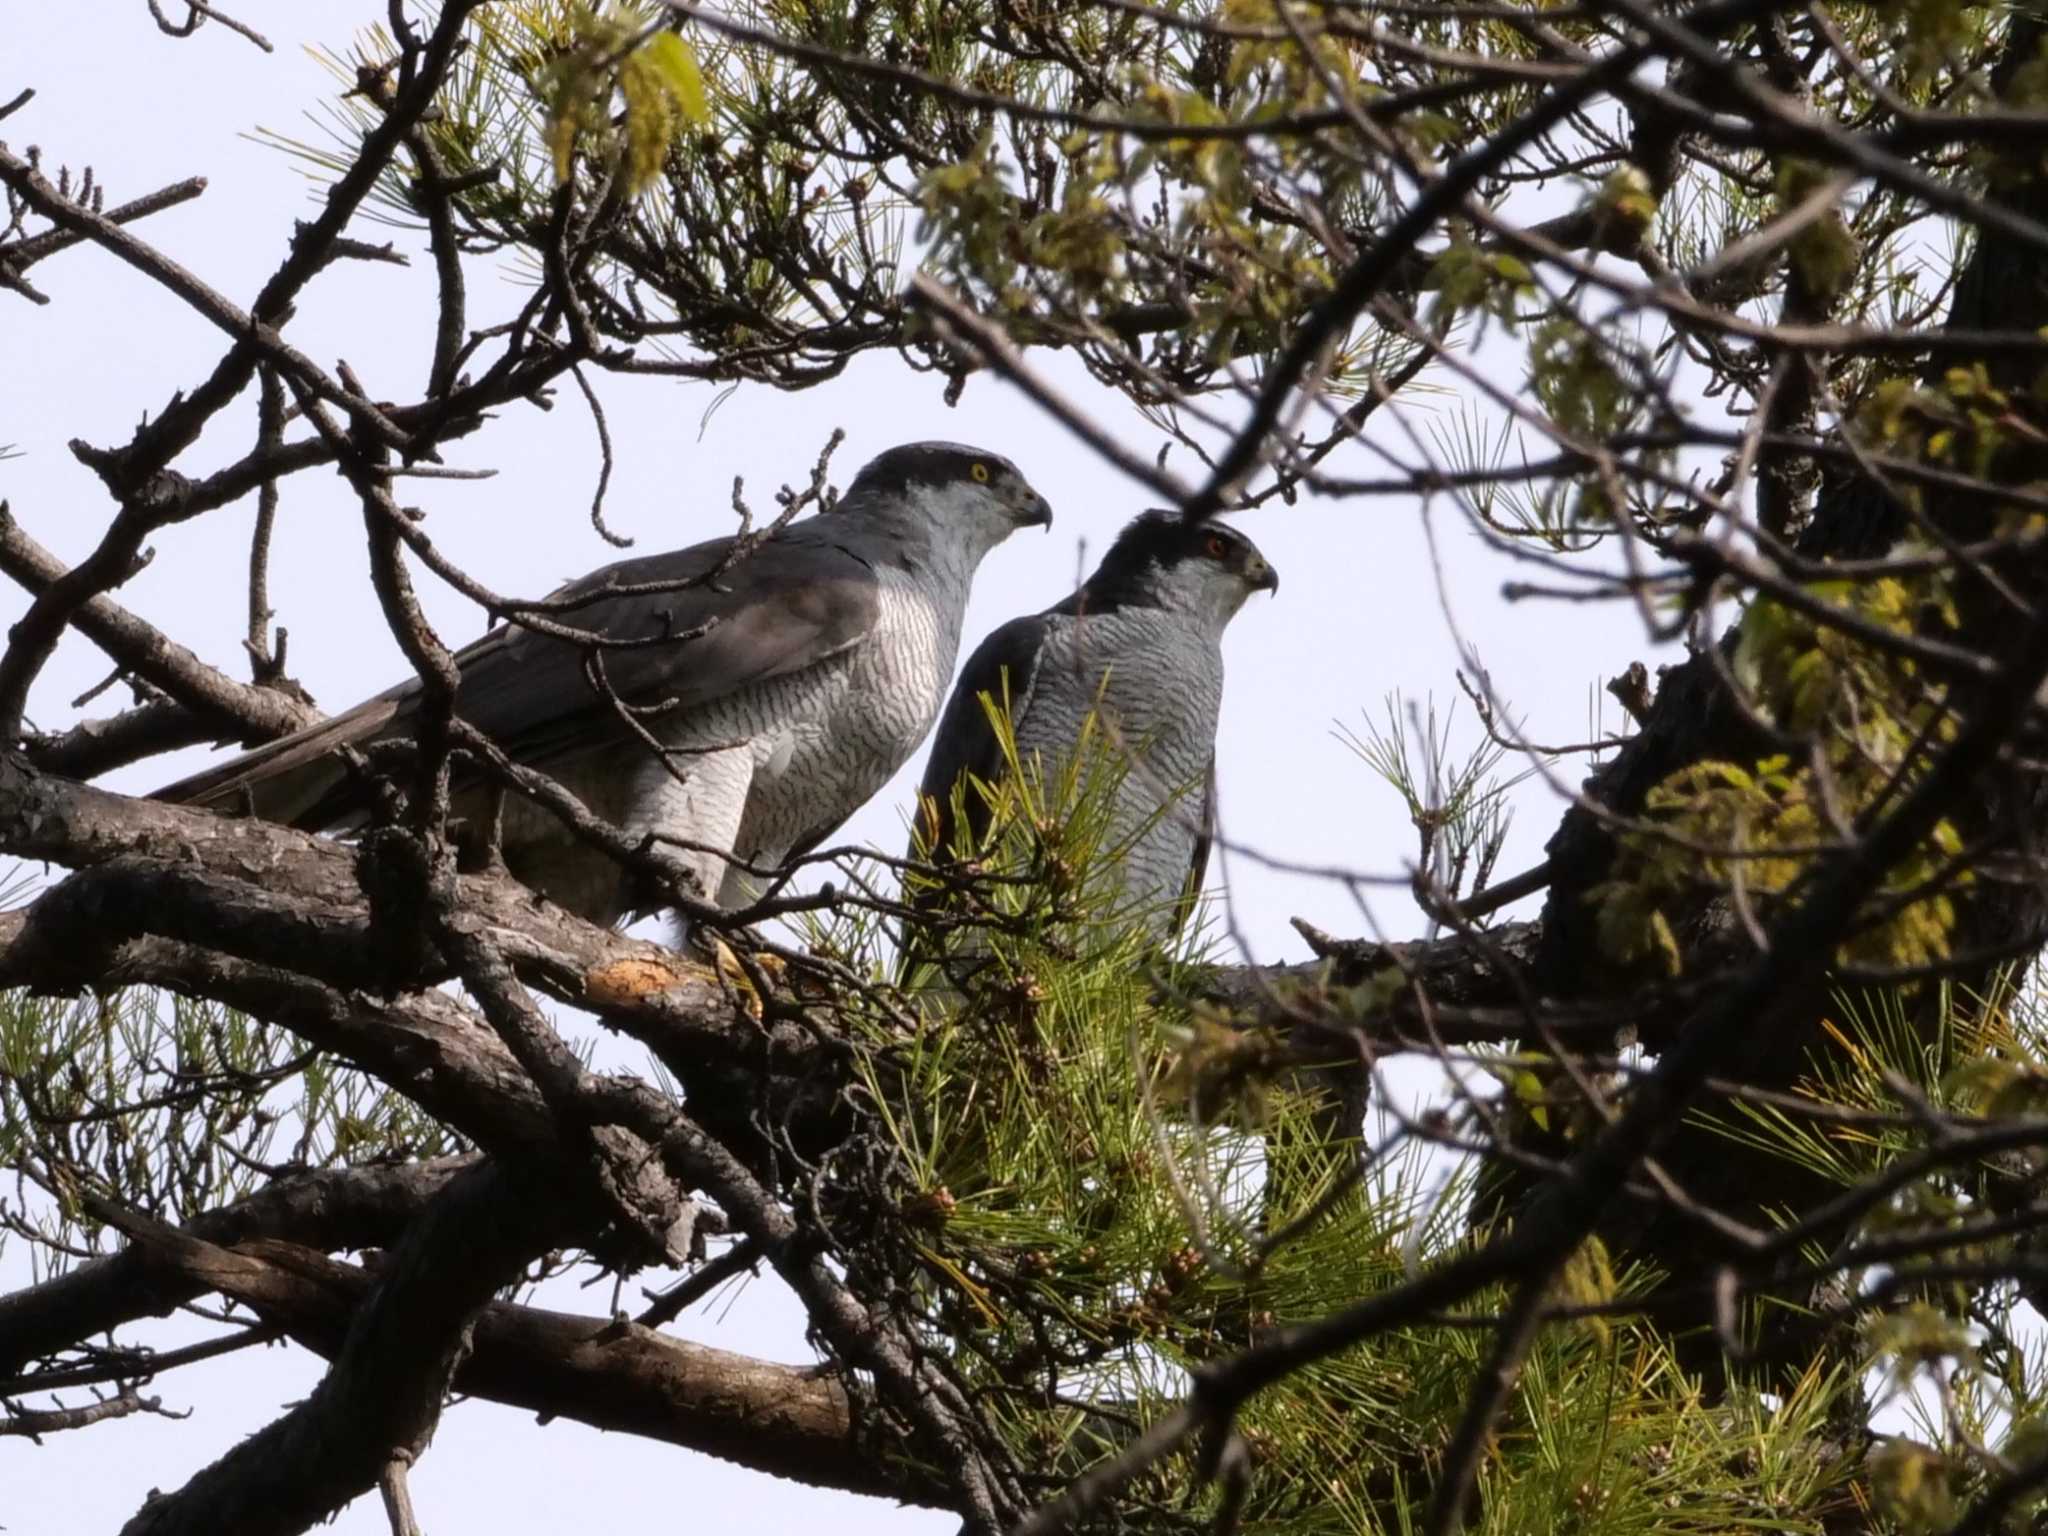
(780, 686)
(1139, 647)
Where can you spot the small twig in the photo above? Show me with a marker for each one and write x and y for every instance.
(99, 688)
(1497, 895)
(346, 249)
(37, 1422)
(198, 11)
(398, 1496)
(1631, 690)
(21, 254)
(362, 461)
(436, 472)
(135, 1365)
(670, 1304)
(269, 438)
(604, 471)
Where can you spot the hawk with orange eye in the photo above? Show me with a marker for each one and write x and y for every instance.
(1138, 649)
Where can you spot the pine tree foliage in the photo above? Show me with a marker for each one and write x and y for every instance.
(173, 1108)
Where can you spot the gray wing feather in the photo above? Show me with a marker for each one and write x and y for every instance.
(286, 779)
(796, 601)
(966, 742)
(802, 597)
(1198, 860)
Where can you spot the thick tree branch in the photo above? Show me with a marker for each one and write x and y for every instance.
(94, 747)
(657, 994)
(332, 1208)
(88, 826)
(274, 922)
(611, 1374)
(383, 1394)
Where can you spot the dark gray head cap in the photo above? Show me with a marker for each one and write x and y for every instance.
(897, 469)
(1155, 542)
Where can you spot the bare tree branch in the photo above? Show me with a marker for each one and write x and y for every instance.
(322, 1208)
(382, 1395)
(18, 256)
(230, 709)
(34, 1423)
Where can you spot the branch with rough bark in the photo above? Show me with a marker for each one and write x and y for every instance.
(330, 1209)
(269, 1253)
(385, 1386)
(611, 1374)
(272, 920)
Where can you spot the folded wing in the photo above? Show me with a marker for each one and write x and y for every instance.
(681, 637)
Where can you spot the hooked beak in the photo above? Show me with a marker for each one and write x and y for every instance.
(1263, 577)
(1035, 513)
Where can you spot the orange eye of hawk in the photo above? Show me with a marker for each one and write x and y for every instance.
(1217, 547)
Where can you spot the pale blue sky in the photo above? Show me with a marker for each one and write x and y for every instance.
(1357, 617)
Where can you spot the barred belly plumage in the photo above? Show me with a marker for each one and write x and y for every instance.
(799, 754)
(1159, 703)
(851, 726)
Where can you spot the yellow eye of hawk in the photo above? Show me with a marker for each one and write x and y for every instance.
(980, 473)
